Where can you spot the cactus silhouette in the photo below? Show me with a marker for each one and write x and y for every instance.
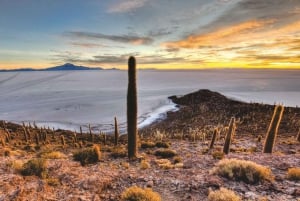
(229, 135)
(91, 134)
(63, 142)
(273, 129)
(298, 136)
(213, 138)
(132, 109)
(116, 132)
(37, 139)
(25, 135)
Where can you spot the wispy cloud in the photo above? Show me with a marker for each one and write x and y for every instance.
(125, 6)
(132, 39)
(114, 59)
(86, 45)
(218, 36)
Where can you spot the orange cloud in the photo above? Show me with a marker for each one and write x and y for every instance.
(219, 36)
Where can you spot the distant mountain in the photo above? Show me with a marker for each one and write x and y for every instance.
(66, 66)
(69, 66)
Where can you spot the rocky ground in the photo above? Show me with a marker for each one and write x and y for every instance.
(188, 131)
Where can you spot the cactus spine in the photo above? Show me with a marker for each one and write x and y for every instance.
(213, 138)
(132, 109)
(273, 129)
(229, 134)
(116, 132)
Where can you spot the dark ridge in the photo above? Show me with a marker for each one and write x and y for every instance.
(201, 96)
(204, 108)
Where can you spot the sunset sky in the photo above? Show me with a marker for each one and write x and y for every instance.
(160, 33)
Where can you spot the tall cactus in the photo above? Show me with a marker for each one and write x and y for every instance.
(132, 109)
(298, 136)
(116, 132)
(213, 138)
(229, 134)
(273, 129)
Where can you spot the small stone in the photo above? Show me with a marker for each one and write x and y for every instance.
(188, 165)
(214, 181)
(296, 192)
(250, 195)
(149, 184)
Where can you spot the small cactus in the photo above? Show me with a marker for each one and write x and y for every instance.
(63, 142)
(259, 138)
(81, 131)
(91, 134)
(3, 142)
(229, 135)
(116, 132)
(75, 137)
(25, 135)
(37, 139)
(273, 129)
(213, 138)
(132, 109)
(45, 137)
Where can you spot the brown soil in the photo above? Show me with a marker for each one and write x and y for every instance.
(188, 130)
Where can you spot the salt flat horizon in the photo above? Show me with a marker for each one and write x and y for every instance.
(69, 99)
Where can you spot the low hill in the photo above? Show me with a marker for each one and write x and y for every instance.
(64, 67)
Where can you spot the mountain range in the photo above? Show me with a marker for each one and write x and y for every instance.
(64, 67)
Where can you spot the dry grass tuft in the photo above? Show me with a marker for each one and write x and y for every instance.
(161, 144)
(145, 165)
(118, 152)
(88, 155)
(165, 153)
(146, 145)
(53, 182)
(164, 164)
(223, 195)
(177, 159)
(135, 193)
(241, 170)
(53, 155)
(35, 167)
(218, 155)
(16, 165)
(293, 174)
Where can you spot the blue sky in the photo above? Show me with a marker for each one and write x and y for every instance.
(160, 33)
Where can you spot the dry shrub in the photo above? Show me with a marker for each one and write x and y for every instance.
(177, 159)
(36, 167)
(145, 165)
(88, 155)
(165, 153)
(161, 144)
(241, 170)
(16, 165)
(118, 152)
(53, 182)
(218, 155)
(223, 195)
(178, 165)
(293, 174)
(146, 145)
(135, 193)
(7, 152)
(164, 164)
